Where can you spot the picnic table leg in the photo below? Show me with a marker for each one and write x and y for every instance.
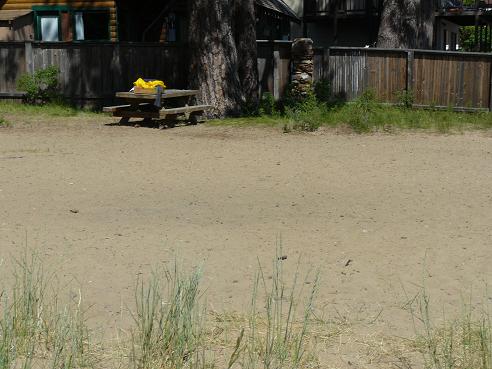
(197, 117)
(124, 121)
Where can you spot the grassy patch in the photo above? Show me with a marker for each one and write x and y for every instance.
(169, 325)
(49, 110)
(4, 122)
(261, 120)
(460, 342)
(36, 328)
(365, 115)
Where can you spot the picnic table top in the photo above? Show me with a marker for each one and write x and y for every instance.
(166, 94)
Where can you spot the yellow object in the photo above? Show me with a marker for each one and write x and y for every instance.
(148, 84)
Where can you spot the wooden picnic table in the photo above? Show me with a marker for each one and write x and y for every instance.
(142, 105)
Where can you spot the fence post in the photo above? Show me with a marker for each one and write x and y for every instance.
(29, 57)
(276, 72)
(326, 63)
(410, 67)
(490, 89)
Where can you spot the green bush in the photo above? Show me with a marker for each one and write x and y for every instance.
(406, 98)
(268, 105)
(322, 91)
(306, 115)
(40, 87)
(361, 115)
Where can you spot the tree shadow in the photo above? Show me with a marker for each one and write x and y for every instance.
(161, 124)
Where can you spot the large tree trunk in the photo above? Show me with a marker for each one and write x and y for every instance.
(245, 36)
(223, 71)
(406, 24)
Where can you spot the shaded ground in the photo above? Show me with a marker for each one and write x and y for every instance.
(375, 212)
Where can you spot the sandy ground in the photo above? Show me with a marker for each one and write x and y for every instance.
(377, 213)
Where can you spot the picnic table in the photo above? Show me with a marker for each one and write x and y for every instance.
(143, 105)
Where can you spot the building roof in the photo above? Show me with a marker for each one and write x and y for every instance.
(10, 15)
(278, 6)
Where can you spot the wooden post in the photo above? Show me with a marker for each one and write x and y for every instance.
(276, 72)
(326, 63)
(29, 58)
(490, 89)
(410, 67)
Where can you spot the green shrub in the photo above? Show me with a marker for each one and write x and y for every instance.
(307, 115)
(267, 104)
(322, 91)
(361, 115)
(40, 87)
(406, 98)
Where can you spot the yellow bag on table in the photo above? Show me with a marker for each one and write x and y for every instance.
(149, 84)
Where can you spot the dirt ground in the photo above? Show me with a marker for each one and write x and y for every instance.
(378, 214)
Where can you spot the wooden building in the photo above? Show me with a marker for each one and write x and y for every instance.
(52, 20)
(119, 20)
(355, 23)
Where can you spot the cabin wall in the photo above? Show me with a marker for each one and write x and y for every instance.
(20, 29)
(26, 5)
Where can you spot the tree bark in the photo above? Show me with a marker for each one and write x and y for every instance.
(406, 24)
(245, 37)
(222, 67)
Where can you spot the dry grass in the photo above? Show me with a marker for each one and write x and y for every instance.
(172, 329)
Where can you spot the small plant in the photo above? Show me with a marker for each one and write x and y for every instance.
(40, 87)
(307, 115)
(361, 113)
(459, 343)
(267, 104)
(168, 321)
(277, 335)
(35, 328)
(4, 122)
(322, 91)
(405, 98)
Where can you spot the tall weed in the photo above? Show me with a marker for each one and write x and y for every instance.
(463, 342)
(168, 320)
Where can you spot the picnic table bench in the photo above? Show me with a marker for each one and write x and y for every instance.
(142, 105)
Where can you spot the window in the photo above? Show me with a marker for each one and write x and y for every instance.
(454, 41)
(91, 25)
(171, 28)
(60, 23)
(49, 28)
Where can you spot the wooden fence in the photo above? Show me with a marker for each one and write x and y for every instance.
(94, 71)
(461, 81)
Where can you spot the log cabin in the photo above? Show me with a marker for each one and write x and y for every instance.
(120, 20)
(52, 20)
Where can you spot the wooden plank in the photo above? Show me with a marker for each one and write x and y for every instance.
(490, 86)
(184, 110)
(276, 73)
(29, 56)
(137, 114)
(410, 67)
(111, 109)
